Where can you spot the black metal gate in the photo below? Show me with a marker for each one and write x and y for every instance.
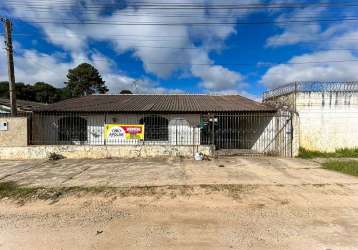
(264, 133)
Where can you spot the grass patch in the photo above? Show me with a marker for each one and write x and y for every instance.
(339, 153)
(10, 189)
(22, 194)
(347, 167)
(14, 191)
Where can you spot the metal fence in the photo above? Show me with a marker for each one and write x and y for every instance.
(311, 87)
(49, 128)
(259, 132)
(264, 133)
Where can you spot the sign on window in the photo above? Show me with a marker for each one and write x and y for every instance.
(123, 132)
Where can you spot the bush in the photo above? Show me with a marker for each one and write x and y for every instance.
(55, 157)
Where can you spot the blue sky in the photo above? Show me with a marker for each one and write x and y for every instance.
(52, 36)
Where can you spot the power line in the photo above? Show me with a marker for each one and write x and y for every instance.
(87, 22)
(260, 64)
(187, 14)
(134, 36)
(166, 6)
(224, 47)
(214, 48)
(264, 64)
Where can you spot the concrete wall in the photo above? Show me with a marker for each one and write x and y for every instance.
(16, 135)
(99, 152)
(329, 121)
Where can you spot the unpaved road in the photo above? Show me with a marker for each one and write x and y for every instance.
(281, 212)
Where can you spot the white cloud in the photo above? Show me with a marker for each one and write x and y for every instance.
(32, 66)
(348, 40)
(215, 77)
(74, 38)
(298, 69)
(330, 43)
(294, 33)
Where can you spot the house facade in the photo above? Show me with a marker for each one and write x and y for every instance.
(226, 122)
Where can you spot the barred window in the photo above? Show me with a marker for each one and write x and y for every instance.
(155, 128)
(72, 129)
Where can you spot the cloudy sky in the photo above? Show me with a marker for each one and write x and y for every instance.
(196, 46)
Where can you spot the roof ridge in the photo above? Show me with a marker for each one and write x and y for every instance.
(158, 103)
(169, 94)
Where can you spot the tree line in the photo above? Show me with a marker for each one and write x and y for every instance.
(81, 81)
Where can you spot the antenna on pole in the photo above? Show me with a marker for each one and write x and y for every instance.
(135, 85)
(10, 63)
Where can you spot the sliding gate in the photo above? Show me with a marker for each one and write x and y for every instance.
(269, 133)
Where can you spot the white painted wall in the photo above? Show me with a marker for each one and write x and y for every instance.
(328, 121)
(182, 130)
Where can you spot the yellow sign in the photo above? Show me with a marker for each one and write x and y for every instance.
(123, 132)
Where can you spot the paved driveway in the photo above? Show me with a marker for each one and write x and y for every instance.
(160, 172)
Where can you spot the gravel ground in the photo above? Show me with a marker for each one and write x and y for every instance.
(257, 203)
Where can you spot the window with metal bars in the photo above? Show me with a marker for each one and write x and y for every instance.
(155, 128)
(72, 129)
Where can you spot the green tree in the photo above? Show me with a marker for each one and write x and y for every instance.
(85, 80)
(46, 93)
(23, 91)
(4, 89)
(38, 92)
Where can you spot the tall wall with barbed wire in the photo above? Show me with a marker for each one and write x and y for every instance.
(328, 113)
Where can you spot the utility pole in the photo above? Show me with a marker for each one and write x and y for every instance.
(10, 64)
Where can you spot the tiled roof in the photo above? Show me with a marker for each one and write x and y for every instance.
(22, 105)
(157, 103)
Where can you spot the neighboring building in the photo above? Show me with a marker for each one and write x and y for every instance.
(14, 131)
(22, 106)
(328, 112)
(227, 122)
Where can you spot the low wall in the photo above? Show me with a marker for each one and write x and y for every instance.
(16, 132)
(99, 152)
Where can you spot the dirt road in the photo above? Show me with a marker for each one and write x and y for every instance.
(233, 203)
(250, 217)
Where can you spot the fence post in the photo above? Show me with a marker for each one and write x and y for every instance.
(212, 129)
(295, 98)
(104, 129)
(292, 138)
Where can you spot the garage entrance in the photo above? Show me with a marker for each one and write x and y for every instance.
(264, 133)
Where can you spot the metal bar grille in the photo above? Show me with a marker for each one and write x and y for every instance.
(257, 132)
